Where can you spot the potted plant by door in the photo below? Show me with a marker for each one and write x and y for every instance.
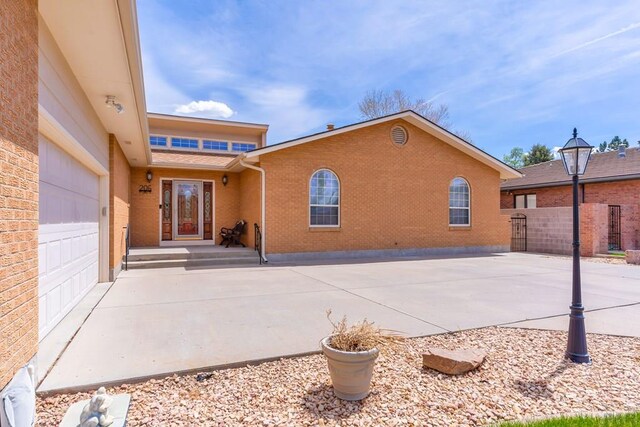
(351, 352)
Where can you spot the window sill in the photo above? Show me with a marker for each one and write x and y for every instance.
(329, 228)
(460, 228)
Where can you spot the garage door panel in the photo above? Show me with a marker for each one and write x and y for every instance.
(68, 248)
(83, 247)
(60, 206)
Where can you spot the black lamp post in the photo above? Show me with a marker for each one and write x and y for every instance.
(575, 156)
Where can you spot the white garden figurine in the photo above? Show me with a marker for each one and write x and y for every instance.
(96, 412)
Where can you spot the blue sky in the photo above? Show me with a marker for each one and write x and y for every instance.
(513, 73)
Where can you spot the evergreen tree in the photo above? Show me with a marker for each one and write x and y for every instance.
(539, 153)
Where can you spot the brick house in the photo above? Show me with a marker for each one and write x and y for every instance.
(381, 186)
(81, 159)
(609, 194)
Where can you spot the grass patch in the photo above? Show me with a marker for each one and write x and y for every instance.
(625, 420)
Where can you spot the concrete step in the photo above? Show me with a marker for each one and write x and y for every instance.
(135, 256)
(195, 262)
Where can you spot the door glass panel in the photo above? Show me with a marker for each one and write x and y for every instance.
(167, 205)
(187, 209)
(207, 206)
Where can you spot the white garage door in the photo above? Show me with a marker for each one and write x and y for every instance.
(68, 233)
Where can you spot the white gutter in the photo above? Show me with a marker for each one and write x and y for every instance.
(263, 202)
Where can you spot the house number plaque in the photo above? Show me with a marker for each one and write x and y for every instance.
(144, 189)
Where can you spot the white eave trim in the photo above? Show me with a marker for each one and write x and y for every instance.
(506, 172)
(229, 123)
(128, 15)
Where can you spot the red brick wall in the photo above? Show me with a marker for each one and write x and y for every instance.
(18, 185)
(594, 231)
(119, 188)
(610, 193)
(550, 197)
(144, 213)
(391, 197)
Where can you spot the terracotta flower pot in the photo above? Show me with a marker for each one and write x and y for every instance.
(350, 371)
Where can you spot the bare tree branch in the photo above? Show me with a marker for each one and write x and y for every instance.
(378, 103)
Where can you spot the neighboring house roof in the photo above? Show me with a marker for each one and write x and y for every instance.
(189, 160)
(506, 171)
(602, 167)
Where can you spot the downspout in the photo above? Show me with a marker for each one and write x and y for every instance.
(263, 203)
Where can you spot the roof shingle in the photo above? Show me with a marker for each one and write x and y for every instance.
(602, 166)
(161, 158)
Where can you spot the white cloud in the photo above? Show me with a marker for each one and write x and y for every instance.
(213, 109)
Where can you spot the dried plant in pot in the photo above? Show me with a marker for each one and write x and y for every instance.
(351, 352)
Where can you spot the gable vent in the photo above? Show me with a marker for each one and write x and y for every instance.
(399, 135)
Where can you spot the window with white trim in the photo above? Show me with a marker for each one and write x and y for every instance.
(324, 199)
(184, 143)
(158, 141)
(459, 203)
(215, 145)
(240, 146)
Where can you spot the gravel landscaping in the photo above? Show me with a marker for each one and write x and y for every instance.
(524, 376)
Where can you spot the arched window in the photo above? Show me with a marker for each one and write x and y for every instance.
(324, 199)
(459, 202)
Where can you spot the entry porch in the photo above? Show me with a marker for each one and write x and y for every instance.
(173, 207)
(200, 256)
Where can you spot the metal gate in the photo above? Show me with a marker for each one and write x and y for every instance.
(519, 233)
(614, 228)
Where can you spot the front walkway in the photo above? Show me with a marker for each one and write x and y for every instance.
(154, 322)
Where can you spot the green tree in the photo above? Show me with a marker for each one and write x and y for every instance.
(602, 147)
(539, 153)
(515, 158)
(616, 143)
(613, 145)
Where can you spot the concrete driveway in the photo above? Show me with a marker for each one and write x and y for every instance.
(153, 322)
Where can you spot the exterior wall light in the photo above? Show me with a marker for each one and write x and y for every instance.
(575, 156)
(149, 175)
(225, 179)
(111, 103)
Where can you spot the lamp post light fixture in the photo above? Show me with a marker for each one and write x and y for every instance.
(575, 156)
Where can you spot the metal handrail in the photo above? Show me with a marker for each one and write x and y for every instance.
(258, 242)
(126, 250)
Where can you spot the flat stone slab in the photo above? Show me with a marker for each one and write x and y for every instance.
(118, 409)
(453, 362)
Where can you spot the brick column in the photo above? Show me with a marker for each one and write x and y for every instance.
(18, 185)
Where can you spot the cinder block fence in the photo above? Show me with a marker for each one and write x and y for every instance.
(550, 230)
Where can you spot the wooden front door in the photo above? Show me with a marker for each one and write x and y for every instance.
(187, 199)
(167, 210)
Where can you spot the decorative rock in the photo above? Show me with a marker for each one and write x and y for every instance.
(454, 362)
(632, 256)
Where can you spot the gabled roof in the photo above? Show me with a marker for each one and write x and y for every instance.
(506, 171)
(602, 167)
